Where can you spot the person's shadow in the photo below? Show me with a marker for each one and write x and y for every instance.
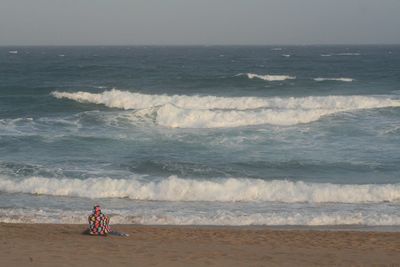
(112, 233)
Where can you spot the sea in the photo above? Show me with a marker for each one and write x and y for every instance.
(201, 135)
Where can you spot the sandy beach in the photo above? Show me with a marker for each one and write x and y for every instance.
(65, 245)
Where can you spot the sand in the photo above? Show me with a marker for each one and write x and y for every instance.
(65, 245)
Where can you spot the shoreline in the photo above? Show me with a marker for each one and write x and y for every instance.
(65, 245)
(316, 228)
(320, 228)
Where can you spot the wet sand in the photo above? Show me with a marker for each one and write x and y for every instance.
(65, 245)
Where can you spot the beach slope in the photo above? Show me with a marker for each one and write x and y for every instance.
(65, 245)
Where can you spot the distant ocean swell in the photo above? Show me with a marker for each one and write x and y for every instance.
(221, 190)
(180, 111)
(267, 77)
(273, 78)
(334, 79)
(340, 54)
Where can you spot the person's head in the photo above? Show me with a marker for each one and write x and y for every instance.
(96, 210)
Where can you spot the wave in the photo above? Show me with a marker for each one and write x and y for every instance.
(175, 117)
(18, 126)
(217, 217)
(211, 111)
(341, 54)
(270, 78)
(129, 100)
(221, 190)
(333, 79)
(348, 54)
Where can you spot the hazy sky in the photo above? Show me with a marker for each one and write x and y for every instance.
(135, 22)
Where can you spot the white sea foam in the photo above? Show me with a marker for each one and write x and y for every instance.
(223, 190)
(15, 126)
(13, 52)
(175, 117)
(341, 54)
(348, 54)
(270, 78)
(276, 111)
(128, 100)
(319, 79)
(211, 111)
(215, 217)
(286, 55)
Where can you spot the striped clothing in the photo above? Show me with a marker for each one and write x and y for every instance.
(98, 222)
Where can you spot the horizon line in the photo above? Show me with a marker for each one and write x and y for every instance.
(193, 45)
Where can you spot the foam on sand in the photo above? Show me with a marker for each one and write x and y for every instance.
(159, 216)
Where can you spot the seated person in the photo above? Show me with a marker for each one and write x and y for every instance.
(98, 222)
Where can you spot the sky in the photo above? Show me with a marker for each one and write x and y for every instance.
(199, 22)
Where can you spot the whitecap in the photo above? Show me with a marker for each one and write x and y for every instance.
(217, 112)
(174, 188)
(341, 79)
(267, 77)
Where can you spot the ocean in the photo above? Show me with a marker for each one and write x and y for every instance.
(201, 135)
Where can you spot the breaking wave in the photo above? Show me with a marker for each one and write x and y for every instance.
(175, 117)
(222, 190)
(340, 54)
(348, 54)
(333, 79)
(270, 78)
(211, 111)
